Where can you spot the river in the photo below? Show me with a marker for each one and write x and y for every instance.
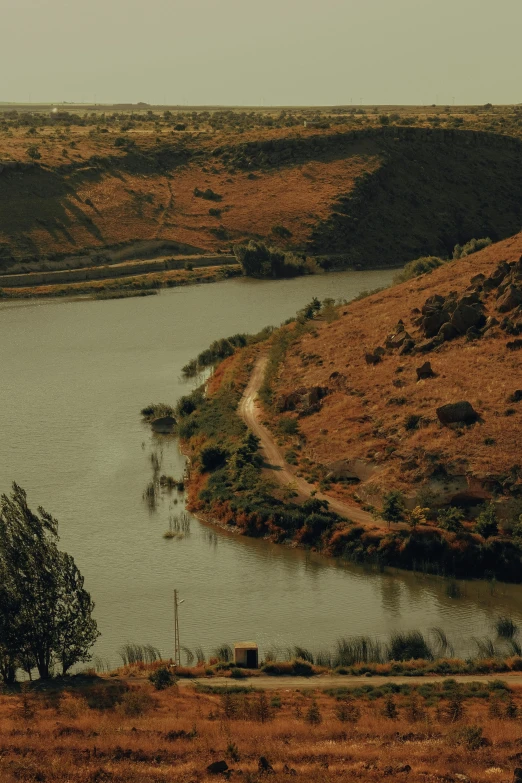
(74, 376)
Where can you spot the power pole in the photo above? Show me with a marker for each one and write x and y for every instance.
(177, 646)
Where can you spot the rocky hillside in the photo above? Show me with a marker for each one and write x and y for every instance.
(416, 388)
(360, 197)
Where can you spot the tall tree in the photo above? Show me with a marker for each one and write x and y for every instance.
(42, 592)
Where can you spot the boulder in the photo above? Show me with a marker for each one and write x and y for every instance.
(407, 347)
(397, 339)
(461, 412)
(447, 332)
(372, 358)
(496, 277)
(511, 298)
(478, 279)
(516, 396)
(427, 345)
(217, 767)
(465, 316)
(432, 322)
(424, 371)
(514, 345)
(165, 424)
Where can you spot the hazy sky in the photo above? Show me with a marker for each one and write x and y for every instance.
(261, 52)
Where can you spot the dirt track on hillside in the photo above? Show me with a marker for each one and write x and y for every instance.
(275, 464)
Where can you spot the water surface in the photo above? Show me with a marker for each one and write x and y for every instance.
(74, 376)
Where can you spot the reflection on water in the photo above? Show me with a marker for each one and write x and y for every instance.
(75, 376)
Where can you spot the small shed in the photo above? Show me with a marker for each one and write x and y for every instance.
(246, 654)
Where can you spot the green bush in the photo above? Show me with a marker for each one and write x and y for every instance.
(419, 266)
(259, 260)
(212, 457)
(162, 678)
(486, 524)
(473, 246)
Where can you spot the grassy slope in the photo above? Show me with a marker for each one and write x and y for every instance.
(62, 737)
(417, 196)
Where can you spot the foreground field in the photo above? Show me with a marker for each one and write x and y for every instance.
(113, 731)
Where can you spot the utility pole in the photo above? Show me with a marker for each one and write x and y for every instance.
(177, 646)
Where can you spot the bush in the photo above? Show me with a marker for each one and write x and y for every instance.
(450, 519)
(405, 646)
(486, 524)
(420, 266)
(162, 678)
(136, 702)
(259, 260)
(212, 458)
(473, 246)
(281, 231)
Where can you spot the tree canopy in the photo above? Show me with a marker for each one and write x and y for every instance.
(45, 611)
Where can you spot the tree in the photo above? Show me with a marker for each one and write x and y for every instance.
(486, 524)
(417, 516)
(450, 519)
(394, 508)
(45, 612)
(76, 629)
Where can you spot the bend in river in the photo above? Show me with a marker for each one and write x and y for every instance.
(75, 375)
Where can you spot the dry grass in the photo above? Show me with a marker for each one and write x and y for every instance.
(154, 737)
(359, 420)
(94, 209)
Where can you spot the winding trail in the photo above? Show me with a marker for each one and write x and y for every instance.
(276, 464)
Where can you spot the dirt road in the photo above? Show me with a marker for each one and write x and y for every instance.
(339, 681)
(279, 469)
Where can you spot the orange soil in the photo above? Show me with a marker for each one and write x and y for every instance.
(369, 426)
(47, 211)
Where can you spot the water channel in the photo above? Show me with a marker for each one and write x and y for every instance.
(74, 376)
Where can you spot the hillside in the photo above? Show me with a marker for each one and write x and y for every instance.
(80, 195)
(375, 408)
(388, 429)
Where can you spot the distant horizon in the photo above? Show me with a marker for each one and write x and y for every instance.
(264, 107)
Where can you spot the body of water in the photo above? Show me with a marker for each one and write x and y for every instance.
(74, 376)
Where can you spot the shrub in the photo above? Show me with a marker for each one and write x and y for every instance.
(212, 457)
(470, 736)
(136, 702)
(450, 519)
(408, 645)
(287, 425)
(420, 266)
(34, 152)
(313, 715)
(259, 260)
(281, 231)
(473, 246)
(162, 678)
(394, 508)
(486, 524)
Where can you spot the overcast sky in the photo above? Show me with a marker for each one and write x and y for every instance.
(262, 52)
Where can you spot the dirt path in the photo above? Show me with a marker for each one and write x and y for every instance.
(323, 681)
(276, 465)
